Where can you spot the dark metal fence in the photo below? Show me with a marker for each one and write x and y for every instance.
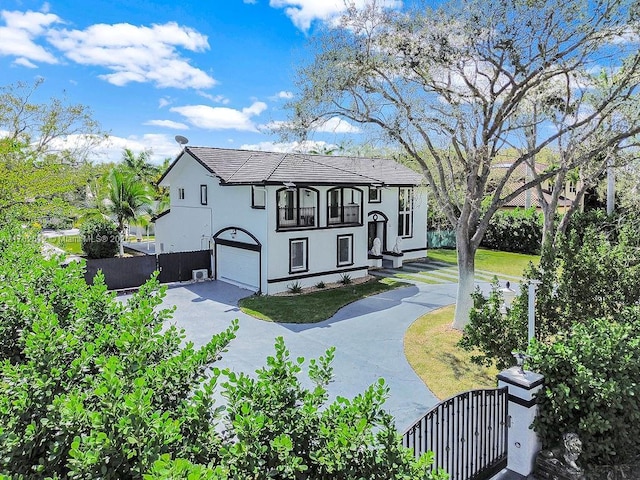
(120, 273)
(131, 272)
(177, 267)
(467, 433)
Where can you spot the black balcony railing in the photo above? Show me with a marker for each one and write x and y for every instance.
(289, 217)
(344, 214)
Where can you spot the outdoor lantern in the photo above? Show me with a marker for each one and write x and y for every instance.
(508, 294)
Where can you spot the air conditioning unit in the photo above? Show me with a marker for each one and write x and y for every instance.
(200, 274)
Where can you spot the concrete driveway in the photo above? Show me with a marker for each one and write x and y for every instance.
(368, 336)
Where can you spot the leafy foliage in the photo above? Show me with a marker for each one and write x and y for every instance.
(591, 374)
(99, 238)
(592, 274)
(94, 387)
(514, 231)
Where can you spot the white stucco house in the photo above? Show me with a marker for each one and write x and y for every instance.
(273, 219)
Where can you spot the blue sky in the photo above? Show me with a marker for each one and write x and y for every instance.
(217, 72)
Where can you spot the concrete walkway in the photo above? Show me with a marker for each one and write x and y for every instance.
(368, 336)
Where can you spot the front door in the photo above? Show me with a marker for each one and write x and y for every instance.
(372, 233)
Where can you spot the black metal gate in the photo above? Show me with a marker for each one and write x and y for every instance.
(467, 433)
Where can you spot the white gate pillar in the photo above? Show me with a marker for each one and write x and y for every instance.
(523, 441)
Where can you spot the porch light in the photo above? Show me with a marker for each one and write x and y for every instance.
(508, 294)
(234, 232)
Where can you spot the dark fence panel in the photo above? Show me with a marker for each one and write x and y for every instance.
(467, 433)
(177, 267)
(119, 273)
(441, 239)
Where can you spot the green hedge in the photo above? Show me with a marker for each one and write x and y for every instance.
(516, 230)
(99, 239)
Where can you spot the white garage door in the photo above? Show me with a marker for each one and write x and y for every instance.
(239, 267)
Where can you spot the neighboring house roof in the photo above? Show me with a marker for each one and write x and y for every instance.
(237, 167)
(520, 200)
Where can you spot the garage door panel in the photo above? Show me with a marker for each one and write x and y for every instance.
(239, 267)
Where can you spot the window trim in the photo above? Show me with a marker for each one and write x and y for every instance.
(296, 196)
(181, 193)
(349, 261)
(305, 252)
(341, 206)
(203, 195)
(407, 232)
(253, 197)
(378, 197)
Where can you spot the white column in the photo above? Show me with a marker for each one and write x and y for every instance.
(523, 442)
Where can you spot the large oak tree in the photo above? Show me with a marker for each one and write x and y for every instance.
(459, 86)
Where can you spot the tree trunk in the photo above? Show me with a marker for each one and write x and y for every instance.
(466, 276)
(121, 243)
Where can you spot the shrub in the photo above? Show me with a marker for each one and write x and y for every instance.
(295, 287)
(92, 387)
(591, 387)
(514, 231)
(99, 239)
(345, 279)
(320, 285)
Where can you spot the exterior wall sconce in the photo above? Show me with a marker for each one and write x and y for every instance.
(234, 232)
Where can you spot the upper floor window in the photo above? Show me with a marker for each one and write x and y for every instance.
(344, 205)
(572, 187)
(297, 207)
(405, 212)
(375, 194)
(180, 193)
(203, 195)
(258, 197)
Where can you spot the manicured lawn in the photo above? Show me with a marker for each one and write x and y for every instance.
(70, 244)
(506, 263)
(430, 348)
(312, 307)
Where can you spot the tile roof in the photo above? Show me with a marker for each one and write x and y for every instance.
(251, 167)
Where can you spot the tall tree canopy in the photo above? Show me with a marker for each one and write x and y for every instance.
(43, 152)
(458, 86)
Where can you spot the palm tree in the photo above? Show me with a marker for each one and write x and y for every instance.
(128, 200)
(140, 165)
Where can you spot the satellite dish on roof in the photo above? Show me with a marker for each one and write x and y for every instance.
(181, 140)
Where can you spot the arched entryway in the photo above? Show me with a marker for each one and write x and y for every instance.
(377, 228)
(238, 258)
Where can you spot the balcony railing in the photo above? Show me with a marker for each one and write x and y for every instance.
(344, 214)
(289, 217)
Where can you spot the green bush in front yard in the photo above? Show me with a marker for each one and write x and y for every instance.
(92, 387)
(592, 388)
(99, 238)
(515, 230)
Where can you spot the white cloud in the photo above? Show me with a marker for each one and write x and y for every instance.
(221, 118)
(303, 12)
(214, 98)
(167, 124)
(161, 146)
(283, 95)
(137, 54)
(24, 63)
(289, 147)
(17, 37)
(335, 125)
(163, 102)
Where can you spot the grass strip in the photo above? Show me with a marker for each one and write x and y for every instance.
(315, 306)
(430, 348)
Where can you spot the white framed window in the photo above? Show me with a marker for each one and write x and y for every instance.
(180, 193)
(203, 195)
(345, 250)
(258, 197)
(572, 187)
(298, 255)
(375, 195)
(405, 212)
